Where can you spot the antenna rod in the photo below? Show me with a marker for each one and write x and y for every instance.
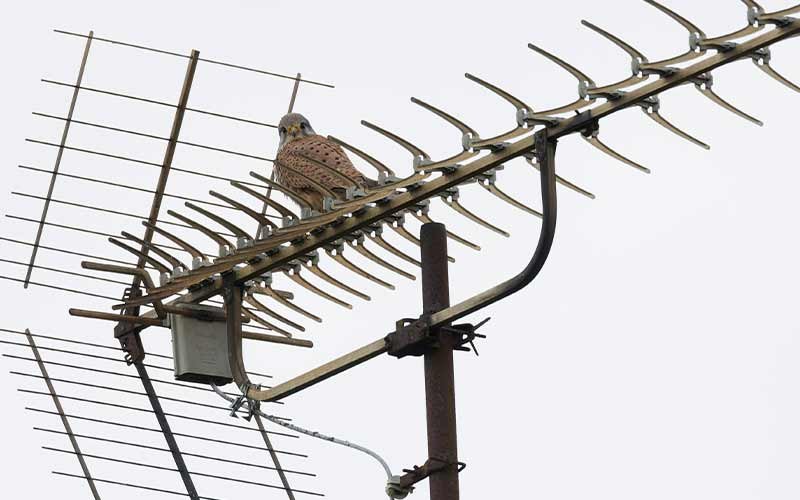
(440, 397)
(59, 156)
(60, 409)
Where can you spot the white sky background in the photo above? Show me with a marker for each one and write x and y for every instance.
(655, 356)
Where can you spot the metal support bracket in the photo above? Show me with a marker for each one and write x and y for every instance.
(405, 483)
(416, 337)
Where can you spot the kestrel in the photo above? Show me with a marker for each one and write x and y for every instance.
(312, 165)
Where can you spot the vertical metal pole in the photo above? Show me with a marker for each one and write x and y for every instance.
(165, 429)
(60, 410)
(274, 457)
(59, 156)
(440, 397)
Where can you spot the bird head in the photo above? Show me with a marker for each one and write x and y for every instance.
(294, 126)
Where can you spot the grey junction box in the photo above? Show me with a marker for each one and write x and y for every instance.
(200, 347)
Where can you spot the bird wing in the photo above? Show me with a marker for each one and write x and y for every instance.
(317, 158)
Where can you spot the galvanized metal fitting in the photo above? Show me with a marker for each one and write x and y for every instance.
(585, 90)
(698, 43)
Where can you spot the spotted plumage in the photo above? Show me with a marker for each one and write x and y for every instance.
(313, 166)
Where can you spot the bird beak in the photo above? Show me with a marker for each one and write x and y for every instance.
(293, 129)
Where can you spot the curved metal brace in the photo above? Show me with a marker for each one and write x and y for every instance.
(220, 265)
(312, 266)
(420, 156)
(357, 244)
(694, 31)
(223, 243)
(266, 324)
(762, 60)
(634, 53)
(488, 183)
(564, 182)
(578, 74)
(377, 165)
(546, 150)
(161, 267)
(397, 225)
(176, 264)
(256, 216)
(158, 306)
(594, 139)
(468, 137)
(523, 110)
(248, 297)
(451, 200)
(198, 257)
(294, 275)
(637, 60)
(769, 70)
(452, 120)
(337, 255)
(230, 226)
(282, 210)
(780, 18)
(690, 26)
(424, 218)
(278, 297)
(297, 198)
(705, 88)
(377, 238)
(583, 82)
(450, 162)
(753, 10)
(653, 114)
(785, 12)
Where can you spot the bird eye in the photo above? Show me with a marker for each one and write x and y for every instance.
(282, 130)
(303, 126)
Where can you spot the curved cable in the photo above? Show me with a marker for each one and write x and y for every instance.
(318, 435)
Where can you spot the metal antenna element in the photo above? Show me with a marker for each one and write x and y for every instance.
(59, 156)
(64, 420)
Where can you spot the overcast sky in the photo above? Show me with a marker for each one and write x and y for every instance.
(655, 356)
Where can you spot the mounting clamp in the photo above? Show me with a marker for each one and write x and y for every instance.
(401, 486)
(416, 338)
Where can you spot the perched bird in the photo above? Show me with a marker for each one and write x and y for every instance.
(313, 166)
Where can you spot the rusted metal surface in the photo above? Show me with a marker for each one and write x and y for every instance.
(440, 397)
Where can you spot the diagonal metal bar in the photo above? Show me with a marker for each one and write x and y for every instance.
(167, 431)
(59, 156)
(64, 420)
(268, 444)
(169, 154)
(123, 331)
